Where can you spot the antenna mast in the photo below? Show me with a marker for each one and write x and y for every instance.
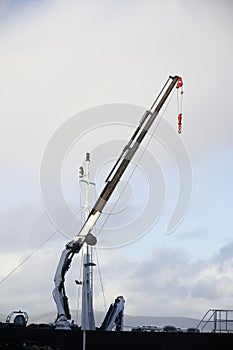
(88, 320)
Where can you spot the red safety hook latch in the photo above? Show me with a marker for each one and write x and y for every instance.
(179, 83)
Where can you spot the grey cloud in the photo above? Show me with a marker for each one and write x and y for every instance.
(168, 278)
(225, 253)
(23, 228)
(205, 288)
(213, 288)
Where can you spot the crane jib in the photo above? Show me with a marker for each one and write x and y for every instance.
(128, 153)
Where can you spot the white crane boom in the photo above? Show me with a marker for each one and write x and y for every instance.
(85, 235)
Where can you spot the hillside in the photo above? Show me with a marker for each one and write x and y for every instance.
(129, 320)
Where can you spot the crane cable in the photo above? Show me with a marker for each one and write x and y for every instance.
(180, 92)
(58, 230)
(98, 267)
(79, 289)
(27, 258)
(101, 279)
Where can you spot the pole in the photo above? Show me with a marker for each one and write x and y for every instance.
(88, 321)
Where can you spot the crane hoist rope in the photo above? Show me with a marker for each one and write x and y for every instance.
(180, 92)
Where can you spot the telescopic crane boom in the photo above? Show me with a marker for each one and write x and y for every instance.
(85, 235)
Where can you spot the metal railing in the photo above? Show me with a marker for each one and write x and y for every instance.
(217, 321)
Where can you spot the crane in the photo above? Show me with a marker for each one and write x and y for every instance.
(85, 235)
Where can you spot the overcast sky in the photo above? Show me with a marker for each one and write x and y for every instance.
(59, 59)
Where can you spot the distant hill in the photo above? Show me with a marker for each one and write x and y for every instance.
(129, 321)
(183, 322)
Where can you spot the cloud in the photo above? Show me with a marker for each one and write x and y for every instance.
(167, 282)
(213, 288)
(24, 228)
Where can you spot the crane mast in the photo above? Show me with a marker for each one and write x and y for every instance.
(85, 235)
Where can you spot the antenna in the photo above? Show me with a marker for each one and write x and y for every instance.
(88, 320)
